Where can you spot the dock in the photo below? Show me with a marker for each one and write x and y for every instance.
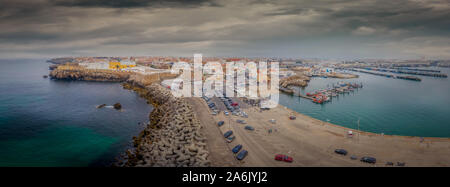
(415, 69)
(304, 96)
(325, 95)
(410, 72)
(412, 78)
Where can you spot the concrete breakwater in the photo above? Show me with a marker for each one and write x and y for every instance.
(74, 73)
(173, 137)
(295, 80)
(413, 78)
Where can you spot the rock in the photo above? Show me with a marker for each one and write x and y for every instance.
(101, 106)
(117, 106)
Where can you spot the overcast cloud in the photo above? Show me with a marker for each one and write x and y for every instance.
(283, 28)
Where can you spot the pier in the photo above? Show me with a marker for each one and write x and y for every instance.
(399, 71)
(415, 69)
(325, 95)
(413, 78)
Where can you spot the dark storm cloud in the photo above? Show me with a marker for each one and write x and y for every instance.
(132, 3)
(328, 28)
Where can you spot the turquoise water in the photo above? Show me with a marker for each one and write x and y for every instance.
(384, 105)
(56, 123)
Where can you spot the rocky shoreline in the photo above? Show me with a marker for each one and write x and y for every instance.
(296, 80)
(172, 138)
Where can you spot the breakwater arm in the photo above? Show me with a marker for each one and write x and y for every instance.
(172, 138)
(413, 78)
(411, 72)
(79, 73)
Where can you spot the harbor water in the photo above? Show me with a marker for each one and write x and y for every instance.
(383, 105)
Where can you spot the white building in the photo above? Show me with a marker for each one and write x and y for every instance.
(95, 65)
(128, 62)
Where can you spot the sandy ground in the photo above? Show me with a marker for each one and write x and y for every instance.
(310, 142)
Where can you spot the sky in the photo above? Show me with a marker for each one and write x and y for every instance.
(327, 29)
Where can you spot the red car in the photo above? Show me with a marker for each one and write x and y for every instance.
(281, 157)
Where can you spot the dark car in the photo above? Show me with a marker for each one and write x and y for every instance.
(228, 133)
(237, 148)
(401, 164)
(220, 123)
(370, 160)
(242, 155)
(341, 151)
(250, 128)
(230, 139)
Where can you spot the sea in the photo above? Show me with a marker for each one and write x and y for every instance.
(45, 122)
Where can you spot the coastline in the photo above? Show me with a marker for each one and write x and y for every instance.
(320, 138)
(311, 142)
(172, 138)
(362, 132)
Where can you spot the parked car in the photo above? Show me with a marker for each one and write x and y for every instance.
(288, 159)
(242, 155)
(240, 121)
(370, 160)
(230, 138)
(281, 157)
(226, 113)
(236, 148)
(250, 128)
(228, 134)
(220, 123)
(401, 164)
(341, 151)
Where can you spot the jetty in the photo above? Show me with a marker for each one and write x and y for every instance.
(413, 78)
(399, 71)
(325, 95)
(415, 69)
